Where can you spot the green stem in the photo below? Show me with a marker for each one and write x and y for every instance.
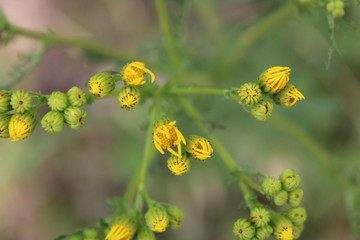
(94, 46)
(220, 148)
(206, 91)
(166, 32)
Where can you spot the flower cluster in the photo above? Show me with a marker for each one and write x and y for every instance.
(272, 83)
(264, 222)
(166, 135)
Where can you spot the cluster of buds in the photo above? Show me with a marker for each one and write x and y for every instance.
(272, 83)
(336, 8)
(133, 75)
(166, 135)
(139, 227)
(264, 222)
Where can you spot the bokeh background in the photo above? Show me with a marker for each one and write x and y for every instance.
(53, 184)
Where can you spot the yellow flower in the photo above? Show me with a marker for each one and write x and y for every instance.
(285, 233)
(199, 147)
(178, 166)
(21, 126)
(157, 219)
(129, 97)
(249, 93)
(101, 84)
(289, 96)
(283, 229)
(124, 229)
(274, 79)
(168, 135)
(134, 74)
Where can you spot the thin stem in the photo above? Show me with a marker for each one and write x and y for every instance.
(95, 46)
(163, 18)
(205, 91)
(220, 148)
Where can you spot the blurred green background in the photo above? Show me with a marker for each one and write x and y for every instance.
(53, 184)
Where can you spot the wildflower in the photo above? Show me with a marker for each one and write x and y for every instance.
(199, 147)
(157, 219)
(75, 117)
(129, 97)
(260, 217)
(145, 234)
(289, 96)
(5, 99)
(262, 110)
(178, 166)
(134, 74)
(283, 228)
(281, 198)
(176, 217)
(295, 197)
(271, 186)
(297, 215)
(101, 84)
(21, 101)
(53, 122)
(123, 229)
(4, 125)
(274, 79)
(168, 135)
(58, 101)
(336, 8)
(263, 232)
(243, 229)
(77, 97)
(290, 179)
(249, 93)
(21, 126)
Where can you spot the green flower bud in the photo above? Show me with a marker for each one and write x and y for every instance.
(281, 198)
(262, 110)
(58, 101)
(295, 197)
(263, 232)
(249, 93)
(176, 216)
(145, 234)
(290, 179)
(288, 97)
(124, 228)
(283, 228)
(200, 148)
(101, 84)
(336, 8)
(77, 97)
(90, 233)
(75, 117)
(4, 125)
(260, 217)
(129, 97)
(271, 186)
(274, 79)
(5, 99)
(178, 166)
(21, 126)
(53, 122)
(298, 229)
(21, 101)
(76, 237)
(297, 215)
(244, 229)
(157, 219)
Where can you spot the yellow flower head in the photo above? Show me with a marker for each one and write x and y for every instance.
(178, 166)
(283, 229)
(134, 74)
(157, 219)
(249, 93)
(289, 96)
(21, 126)
(101, 84)
(274, 79)
(285, 233)
(168, 135)
(199, 147)
(129, 97)
(124, 229)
